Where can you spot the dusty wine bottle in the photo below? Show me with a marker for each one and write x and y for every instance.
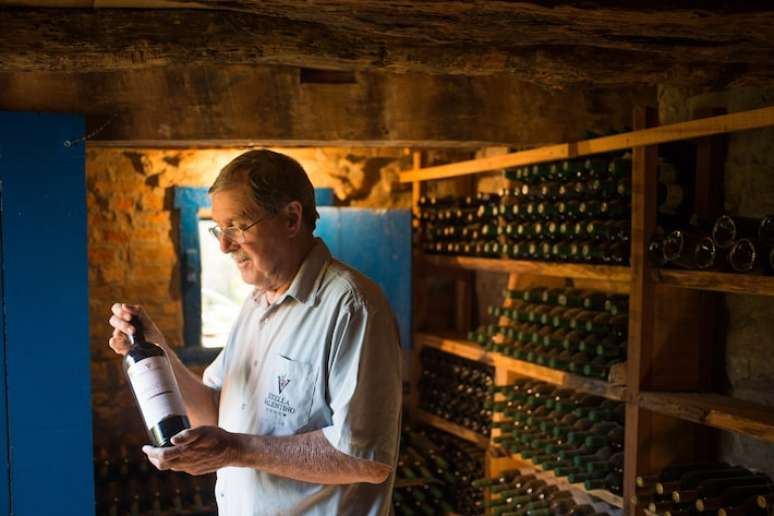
(155, 388)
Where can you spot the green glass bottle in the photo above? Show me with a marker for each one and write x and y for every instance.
(581, 319)
(620, 168)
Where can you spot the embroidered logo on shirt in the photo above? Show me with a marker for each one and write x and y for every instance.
(282, 382)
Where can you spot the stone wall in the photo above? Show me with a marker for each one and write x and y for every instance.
(748, 191)
(133, 238)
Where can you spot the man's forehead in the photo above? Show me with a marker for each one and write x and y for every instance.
(231, 205)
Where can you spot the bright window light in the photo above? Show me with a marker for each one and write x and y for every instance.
(223, 290)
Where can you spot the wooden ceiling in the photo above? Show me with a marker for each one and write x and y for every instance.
(554, 44)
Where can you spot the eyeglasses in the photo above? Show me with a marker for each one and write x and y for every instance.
(232, 233)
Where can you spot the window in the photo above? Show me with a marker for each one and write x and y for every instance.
(222, 289)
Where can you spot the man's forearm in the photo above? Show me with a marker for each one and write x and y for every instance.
(200, 400)
(307, 457)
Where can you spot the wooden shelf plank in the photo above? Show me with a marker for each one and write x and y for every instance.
(452, 428)
(615, 274)
(455, 346)
(719, 281)
(714, 410)
(603, 494)
(740, 121)
(562, 378)
(472, 351)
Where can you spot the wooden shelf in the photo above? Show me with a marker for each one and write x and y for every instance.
(472, 351)
(714, 410)
(679, 322)
(603, 494)
(563, 378)
(744, 120)
(616, 274)
(719, 281)
(455, 346)
(452, 428)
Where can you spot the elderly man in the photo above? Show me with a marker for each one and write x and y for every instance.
(300, 412)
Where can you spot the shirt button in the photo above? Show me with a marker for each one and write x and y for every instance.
(244, 406)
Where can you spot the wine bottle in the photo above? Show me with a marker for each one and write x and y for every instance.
(692, 479)
(708, 256)
(733, 496)
(716, 485)
(743, 256)
(728, 230)
(679, 247)
(155, 388)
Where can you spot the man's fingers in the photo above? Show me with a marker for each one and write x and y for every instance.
(186, 436)
(119, 346)
(125, 311)
(121, 324)
(164, 454)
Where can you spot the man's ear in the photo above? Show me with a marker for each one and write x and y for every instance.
(294, 217)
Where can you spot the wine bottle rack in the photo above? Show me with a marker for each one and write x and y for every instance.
(667, 383)
(473, 351)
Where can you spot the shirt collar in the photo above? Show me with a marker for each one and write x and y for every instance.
(307, 278)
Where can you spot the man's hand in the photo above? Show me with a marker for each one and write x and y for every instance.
(122, 327)
(197, 451)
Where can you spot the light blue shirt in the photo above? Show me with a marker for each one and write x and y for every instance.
(325, 355)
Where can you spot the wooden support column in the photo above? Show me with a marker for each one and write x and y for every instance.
(641, 309)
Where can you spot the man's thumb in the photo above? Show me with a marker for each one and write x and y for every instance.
(184, 437)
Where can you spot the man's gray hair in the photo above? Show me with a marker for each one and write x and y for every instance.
(274, 180)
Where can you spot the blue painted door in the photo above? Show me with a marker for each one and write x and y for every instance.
(378, 244)
(47, 438)
(5, 486)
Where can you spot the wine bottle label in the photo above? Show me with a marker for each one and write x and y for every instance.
(674, 198)
(156, 390)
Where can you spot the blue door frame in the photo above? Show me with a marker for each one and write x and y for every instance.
(45, 395)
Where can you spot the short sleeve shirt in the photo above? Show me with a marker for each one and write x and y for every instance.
(324, 356)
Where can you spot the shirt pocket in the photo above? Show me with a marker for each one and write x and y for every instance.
(287, 392)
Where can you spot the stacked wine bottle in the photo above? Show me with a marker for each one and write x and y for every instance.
(580, 331)
(570, 211)
(435, 473)
(709, 488)
(535, 493)
(730, 244)
(460, 225)
(455, 389)
(575, 435)
(127, 484)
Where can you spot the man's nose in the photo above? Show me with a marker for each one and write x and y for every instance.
(227, 245)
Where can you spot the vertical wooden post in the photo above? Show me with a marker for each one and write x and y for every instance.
(641, 309)
(417, 187)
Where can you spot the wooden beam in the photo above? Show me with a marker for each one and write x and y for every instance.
(452, 428)
(466, 349)
(717, 281)
(714, 410)
(744, 120)
(650, 44)
(641, 310)
(606, 274)
(239, 105)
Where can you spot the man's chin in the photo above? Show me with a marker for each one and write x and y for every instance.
(251, 278)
